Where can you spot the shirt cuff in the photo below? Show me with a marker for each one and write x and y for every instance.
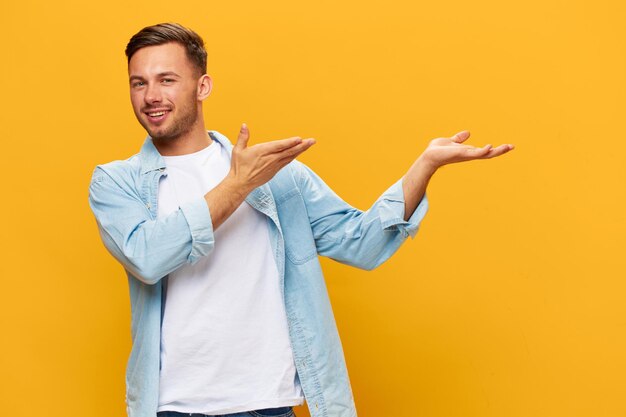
(198, 218)
(391, 211)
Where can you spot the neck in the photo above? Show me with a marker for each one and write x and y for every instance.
(192, 141)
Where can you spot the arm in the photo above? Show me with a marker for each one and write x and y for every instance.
(148, 248)
(152, 248)
(363, 239)
(366, 239)
(250, 168)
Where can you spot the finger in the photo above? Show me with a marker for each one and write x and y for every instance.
(291, 154)
(277, 146)
(461, 136)
(500, 150)
(244, 135)
(474, 153)
(297, 150)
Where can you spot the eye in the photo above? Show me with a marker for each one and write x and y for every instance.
(136, 84)
(167, 80)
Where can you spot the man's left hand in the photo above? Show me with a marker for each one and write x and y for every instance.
(440, 152)
(443, 151)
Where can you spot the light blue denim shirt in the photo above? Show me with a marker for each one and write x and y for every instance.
(306, 219)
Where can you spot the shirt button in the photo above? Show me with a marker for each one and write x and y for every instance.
(148, 205)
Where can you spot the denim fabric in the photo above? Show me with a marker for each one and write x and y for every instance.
(306, 218)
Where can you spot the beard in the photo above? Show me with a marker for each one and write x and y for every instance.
(179, 125)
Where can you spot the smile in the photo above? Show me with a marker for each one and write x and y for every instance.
(157, 115)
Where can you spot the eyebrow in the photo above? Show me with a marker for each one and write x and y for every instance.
(161, 74)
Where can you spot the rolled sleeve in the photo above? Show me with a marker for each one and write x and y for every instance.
(391, 211)
(198, 218)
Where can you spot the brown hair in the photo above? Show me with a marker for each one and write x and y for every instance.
(170, 32)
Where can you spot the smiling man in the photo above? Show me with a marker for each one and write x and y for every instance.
(220, 243)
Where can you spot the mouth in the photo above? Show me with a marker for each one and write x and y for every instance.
(157, 116)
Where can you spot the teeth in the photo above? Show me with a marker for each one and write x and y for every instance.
(159, 113)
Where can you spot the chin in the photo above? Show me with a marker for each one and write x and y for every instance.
(159, 133)
(164, 135)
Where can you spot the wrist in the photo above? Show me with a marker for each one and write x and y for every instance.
(425, 167)
(235, 186)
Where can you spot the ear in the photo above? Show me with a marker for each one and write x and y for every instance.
(205, 84)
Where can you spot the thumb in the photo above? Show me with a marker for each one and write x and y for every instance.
(461, 136)
(244, 135)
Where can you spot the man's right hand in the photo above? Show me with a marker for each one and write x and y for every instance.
(255, 165)
(250, 167)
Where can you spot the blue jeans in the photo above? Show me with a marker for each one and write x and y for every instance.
(267, 412)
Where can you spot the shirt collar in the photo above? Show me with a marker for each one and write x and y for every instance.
(151, 159)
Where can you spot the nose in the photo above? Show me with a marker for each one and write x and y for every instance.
(153, 93)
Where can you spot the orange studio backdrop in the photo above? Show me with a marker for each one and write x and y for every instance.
(511, 301)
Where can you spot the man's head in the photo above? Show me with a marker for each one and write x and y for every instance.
(168, 81)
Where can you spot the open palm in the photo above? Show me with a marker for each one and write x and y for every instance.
(442, 151)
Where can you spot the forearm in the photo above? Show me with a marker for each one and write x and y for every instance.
(414, 185)
(225, 198)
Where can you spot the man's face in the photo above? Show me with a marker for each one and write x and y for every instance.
(164, 90)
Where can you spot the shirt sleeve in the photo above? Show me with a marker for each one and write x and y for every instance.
(148, 248)
(364, 239)
(391, 209)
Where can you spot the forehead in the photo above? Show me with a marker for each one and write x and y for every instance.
(152, 60)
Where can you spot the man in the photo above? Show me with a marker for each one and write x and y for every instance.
(230, 314)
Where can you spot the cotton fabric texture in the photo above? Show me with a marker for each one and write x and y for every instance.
(224, 336)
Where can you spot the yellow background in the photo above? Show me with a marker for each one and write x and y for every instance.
(510, 302)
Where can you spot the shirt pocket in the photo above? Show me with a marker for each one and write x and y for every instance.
(294, 222)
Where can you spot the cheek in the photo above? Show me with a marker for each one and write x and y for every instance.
(188, 93)
(135, 101)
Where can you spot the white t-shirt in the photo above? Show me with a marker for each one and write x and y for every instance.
(224, 342)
